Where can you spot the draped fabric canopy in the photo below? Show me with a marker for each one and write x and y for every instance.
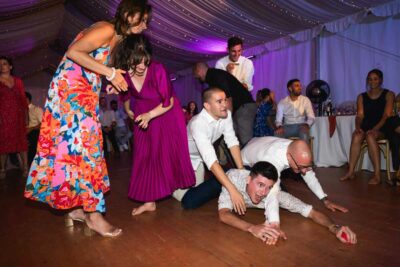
(182, 31)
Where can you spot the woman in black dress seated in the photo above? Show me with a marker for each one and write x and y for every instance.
(374, 107)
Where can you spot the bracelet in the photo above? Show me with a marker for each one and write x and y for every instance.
(112, 75)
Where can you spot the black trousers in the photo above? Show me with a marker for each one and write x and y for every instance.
(111, 136)
(33, 138)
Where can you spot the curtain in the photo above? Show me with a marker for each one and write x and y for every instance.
(348, 56)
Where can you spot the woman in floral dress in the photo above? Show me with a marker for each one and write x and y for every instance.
(69, 170)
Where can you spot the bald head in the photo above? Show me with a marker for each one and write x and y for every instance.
(299, 154)
(200, 70)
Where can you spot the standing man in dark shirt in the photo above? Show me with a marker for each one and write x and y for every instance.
(240, 101)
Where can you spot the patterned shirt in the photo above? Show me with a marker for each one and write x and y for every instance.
(238, 178)
(284, 200)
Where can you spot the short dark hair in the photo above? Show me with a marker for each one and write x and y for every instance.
(292, 81)
(233, 41)
(129, 8)
(28, 95)
(130, 52)
(207, 93)
(264, 169)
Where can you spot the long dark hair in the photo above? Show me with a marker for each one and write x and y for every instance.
(261, 94)
(128, 8)
(195, 111)
(10, 62)
(130, 52)
(377, 72)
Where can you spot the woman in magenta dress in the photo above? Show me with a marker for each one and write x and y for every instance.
(161, 162)
(13, 112)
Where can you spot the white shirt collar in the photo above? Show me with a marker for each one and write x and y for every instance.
(210, 119)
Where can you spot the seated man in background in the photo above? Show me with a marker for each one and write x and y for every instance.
(108, 123)
(295, 114)
(35, 114)
(255, 186)
(122, 133)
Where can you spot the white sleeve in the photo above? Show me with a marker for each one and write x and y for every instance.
(229, 133)
(272, 204)
(220, 65)
(314, 185)
(40, 114)
(310, 112)
(203, 143)
(279, 114)
(224, 200)
(248, 76)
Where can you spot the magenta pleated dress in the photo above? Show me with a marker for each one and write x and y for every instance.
(161, 162)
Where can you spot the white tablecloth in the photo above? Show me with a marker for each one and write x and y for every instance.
(335, 150)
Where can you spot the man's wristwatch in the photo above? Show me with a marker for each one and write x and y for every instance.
(334, 228)
(324, 199)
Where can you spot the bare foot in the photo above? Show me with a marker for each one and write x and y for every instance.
(375, 180)
(96, 222)
(148, 206)
(347, 176)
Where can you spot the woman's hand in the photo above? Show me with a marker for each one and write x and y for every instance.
(130, 114)
(119, 81)
(143, 120)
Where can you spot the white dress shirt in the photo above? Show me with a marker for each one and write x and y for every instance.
(295, 112)
(243, 71)
(120, 116)
(203, 130)
(35, 115)
(274, 150)
(106, 117)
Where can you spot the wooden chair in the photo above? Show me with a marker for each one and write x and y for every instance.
(383, 145)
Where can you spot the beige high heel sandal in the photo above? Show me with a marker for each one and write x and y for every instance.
(113, 233)
(69, 221)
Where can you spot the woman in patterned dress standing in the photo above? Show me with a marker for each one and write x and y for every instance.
(69, 170)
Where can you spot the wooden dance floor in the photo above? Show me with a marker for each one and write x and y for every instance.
(32, 234)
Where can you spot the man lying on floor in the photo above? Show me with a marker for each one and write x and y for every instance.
(255, 186)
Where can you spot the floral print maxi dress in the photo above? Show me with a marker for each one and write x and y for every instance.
(69, 169)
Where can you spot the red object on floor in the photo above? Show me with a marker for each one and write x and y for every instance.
(344, 236)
